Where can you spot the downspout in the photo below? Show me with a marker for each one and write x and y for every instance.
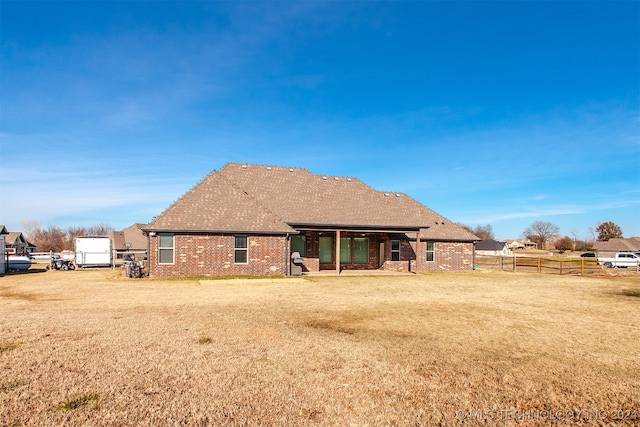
(287, 258)
(417, 253)
(148, 253)
(474, 255)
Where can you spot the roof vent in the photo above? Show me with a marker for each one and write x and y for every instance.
(324, 177)
(244, 166)
(336, 178)
(268, 168)
(290, 170)
(397, 195)
(386, 194)
(349, 179)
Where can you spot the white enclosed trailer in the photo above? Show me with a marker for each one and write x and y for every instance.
(93, 251)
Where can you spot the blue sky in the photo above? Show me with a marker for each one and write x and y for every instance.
(500, 113)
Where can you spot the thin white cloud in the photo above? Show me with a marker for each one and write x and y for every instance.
(538, 213)
(50, 195)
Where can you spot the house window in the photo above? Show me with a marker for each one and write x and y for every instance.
(345, 250)
(431, 251)
(165, 249)
(241, 250)
(326, 250)
(299, 244)
(360, 250)
(395, 250)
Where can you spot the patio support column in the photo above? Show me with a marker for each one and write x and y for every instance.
(417, 251)
(337, 252)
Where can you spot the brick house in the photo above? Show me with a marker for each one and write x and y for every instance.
(131, 239)
(247, 220)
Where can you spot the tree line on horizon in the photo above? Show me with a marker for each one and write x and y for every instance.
(545, 234)
(57, 239)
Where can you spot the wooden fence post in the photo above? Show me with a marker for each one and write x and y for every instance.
(539, 264)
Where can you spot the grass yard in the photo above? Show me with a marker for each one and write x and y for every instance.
(483, 348)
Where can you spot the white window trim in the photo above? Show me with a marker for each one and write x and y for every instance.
(172, 248)
(427, 251)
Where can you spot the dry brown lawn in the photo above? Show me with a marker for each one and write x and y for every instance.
(484, 348)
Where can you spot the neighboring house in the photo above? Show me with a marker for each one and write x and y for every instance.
(249, 219)
(16, 244)
(131, 239)
(611, 246)
(492, 247)
(521, 244)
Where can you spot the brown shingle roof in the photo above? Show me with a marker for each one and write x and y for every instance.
(618, 245)
(132, 235)
(270, 198)
(215, 205)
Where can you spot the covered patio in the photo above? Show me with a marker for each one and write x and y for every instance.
(368, 250)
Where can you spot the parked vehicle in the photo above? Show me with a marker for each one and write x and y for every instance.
(588, 255)
(133, 268)
(60, 263)
(621, 259)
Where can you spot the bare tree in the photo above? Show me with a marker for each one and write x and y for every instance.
(574, 236)
(52, 239)
(99, 230)
(31, 228)
(540, 232)
(484, 232)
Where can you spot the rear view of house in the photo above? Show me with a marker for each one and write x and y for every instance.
(248, 219)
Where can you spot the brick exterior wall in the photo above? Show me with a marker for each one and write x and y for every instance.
(449, 256)
(213, 255)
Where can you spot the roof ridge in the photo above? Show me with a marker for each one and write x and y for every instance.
(294, 168)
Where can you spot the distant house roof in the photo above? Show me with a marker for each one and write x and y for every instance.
(490, 245)
(3, 229)
(131, 235)
(631, 244)
(15, 238)
(271, 199)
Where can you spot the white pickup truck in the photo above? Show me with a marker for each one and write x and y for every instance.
(621, 259)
